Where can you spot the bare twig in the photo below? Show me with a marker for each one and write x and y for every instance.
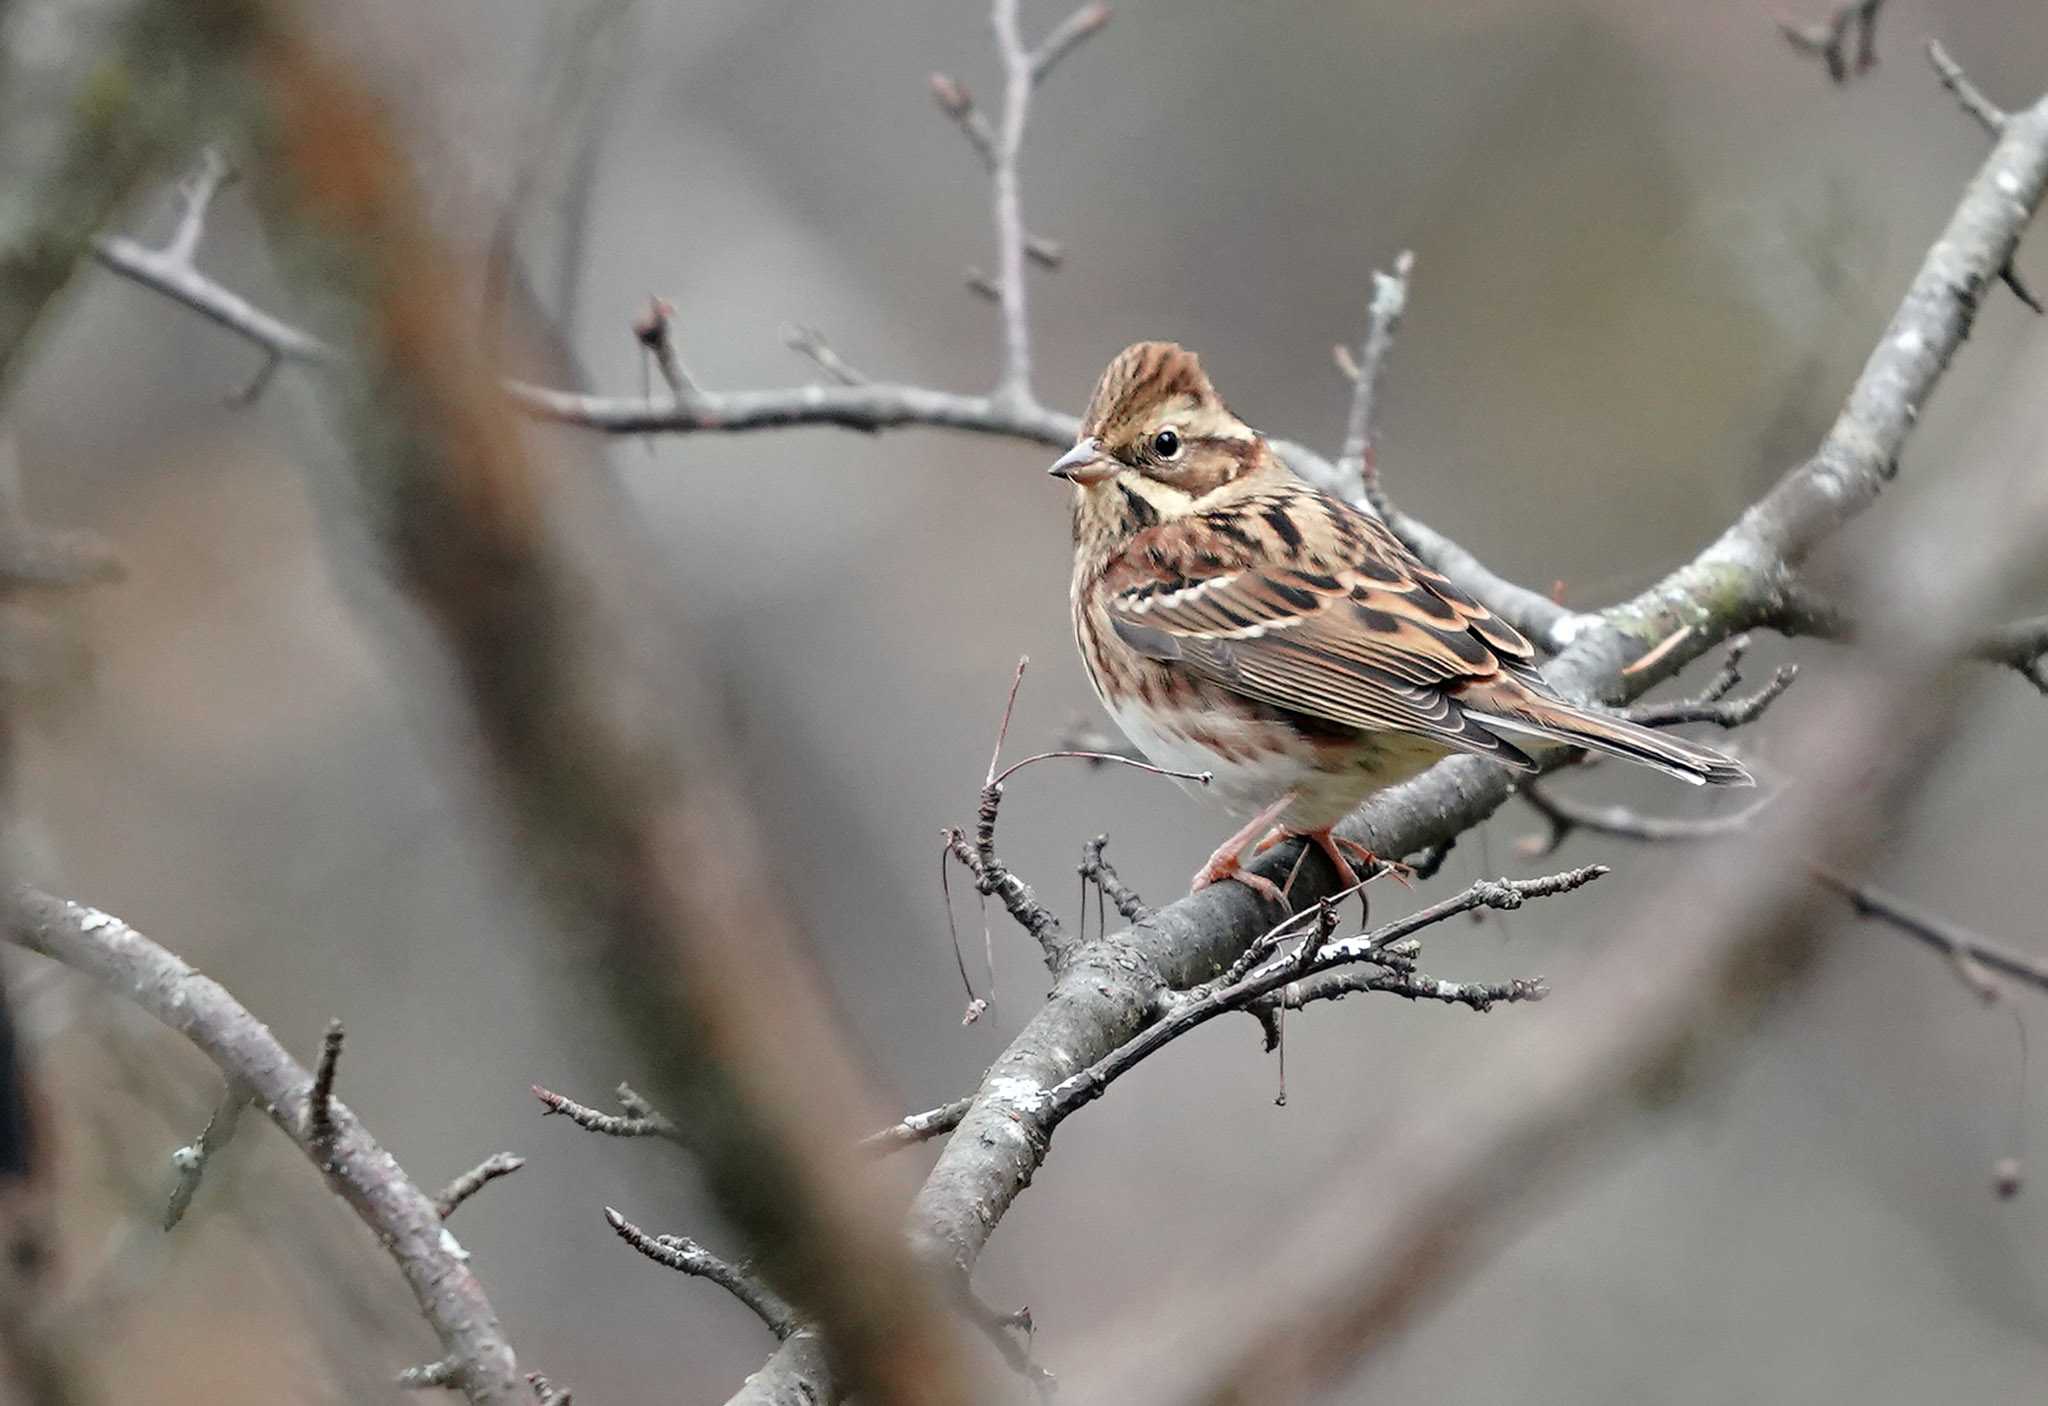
(679, 1252)
(498, 1164)
(1358, 460)
(1968, 96)
(1089, 1084)
(171, 271)
(1014, 385)
(991, 875)
(190, 1160)
(320, 1100)
(1096, 869)
(2021, 645)
(652, 332)
(432, 1376)
(1716, 708)
(1619, 822)
(1953, 941)
(1010, 1332)
(809, 343)
(402, 1217)
(644, 1123)
(916, 1127)
(1829, 39)
(1065, 37)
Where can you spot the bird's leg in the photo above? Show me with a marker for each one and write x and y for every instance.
(1367, 857)
(1228, 860)
(1340, 851)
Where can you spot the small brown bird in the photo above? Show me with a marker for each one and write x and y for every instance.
(1235, 620)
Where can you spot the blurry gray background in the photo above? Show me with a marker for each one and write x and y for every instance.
(1653, 248)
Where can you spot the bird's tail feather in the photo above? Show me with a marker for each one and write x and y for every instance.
(1601, 732)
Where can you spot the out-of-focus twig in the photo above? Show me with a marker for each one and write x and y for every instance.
(190, 1160)
(1850, 23)
(1950, 939)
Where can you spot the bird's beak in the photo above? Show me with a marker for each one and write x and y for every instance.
(1083, 464)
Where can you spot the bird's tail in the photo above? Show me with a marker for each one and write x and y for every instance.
(1556, 721)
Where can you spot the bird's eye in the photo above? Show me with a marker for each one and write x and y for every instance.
(1166, 444)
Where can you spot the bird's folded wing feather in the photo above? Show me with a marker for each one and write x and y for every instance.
(1341, 626)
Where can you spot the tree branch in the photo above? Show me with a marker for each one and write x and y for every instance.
(1829, 39)
(498, 1164)
(405, 1221)
(1957, 943)
(1083, 1088)
(1109, 991)
(679, 1252)
(917, 1127)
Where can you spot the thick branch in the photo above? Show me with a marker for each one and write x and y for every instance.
(403, 1218)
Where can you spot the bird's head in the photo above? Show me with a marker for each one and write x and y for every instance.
(1156, 442)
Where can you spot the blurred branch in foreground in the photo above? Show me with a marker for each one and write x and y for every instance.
(640, 843)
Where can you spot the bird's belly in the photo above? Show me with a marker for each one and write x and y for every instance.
(1250, 765)
(1255, 761)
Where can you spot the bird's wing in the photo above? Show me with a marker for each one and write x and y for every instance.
(1298, 601)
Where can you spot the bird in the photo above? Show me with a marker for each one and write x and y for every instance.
(1236, 620)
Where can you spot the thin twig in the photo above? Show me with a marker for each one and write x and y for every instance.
(430, 1376)
(320, 1102)
(1014, 385)
(654, 333)
(916, 1128)
(498, 1164)
(1829, 39)
(1358, 460)
(1010, 1332)
(809, 343)
(1096, 869)
(1987, 114)
(1619, 822)
(1066, 36)
(1949, 939)
(191, 1159)
(643, 1124)
(1722, 712)
(679, 1252)
(1083, 1088)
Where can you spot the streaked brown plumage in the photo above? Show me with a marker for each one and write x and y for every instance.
(1235, 620)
